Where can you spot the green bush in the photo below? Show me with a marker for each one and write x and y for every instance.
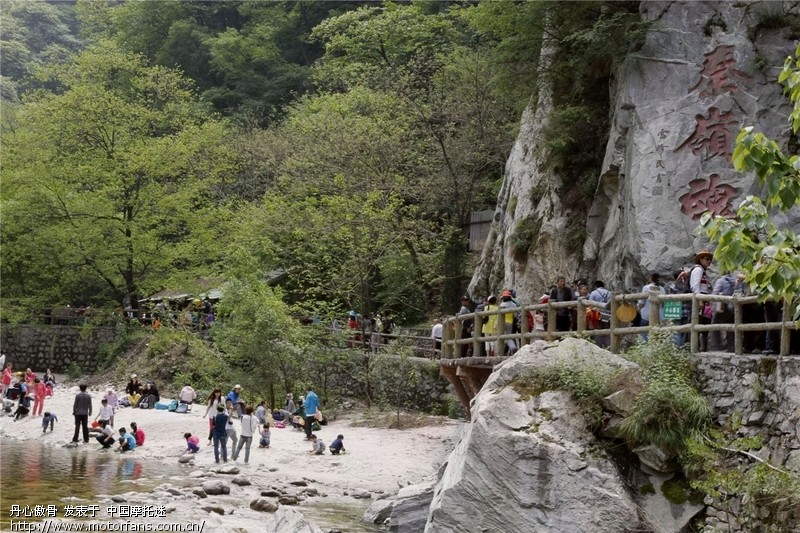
(670, 407)
(109, 352)
(588, 379)
(525, 233)
(74, 371)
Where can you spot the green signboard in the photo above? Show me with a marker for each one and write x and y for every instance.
(673, 309)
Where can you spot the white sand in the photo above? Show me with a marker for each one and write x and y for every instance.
(378, 460)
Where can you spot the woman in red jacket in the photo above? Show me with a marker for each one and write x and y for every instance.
(6, 379)
(39, 393)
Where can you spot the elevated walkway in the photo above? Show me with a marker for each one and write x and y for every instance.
(468, 374)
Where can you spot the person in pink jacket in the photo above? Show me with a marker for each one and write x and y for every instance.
(39, 393)
(6, 379)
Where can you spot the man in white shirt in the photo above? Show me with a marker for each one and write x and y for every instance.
(106, 413)
(436, 334)
(106, 436)
(187, 394)
(644, 305)
(249, 427)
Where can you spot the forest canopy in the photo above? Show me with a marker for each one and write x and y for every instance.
(344, 144)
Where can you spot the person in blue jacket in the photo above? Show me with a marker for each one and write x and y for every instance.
(220, 434)
(311, 405)
(127, 442)
(233, 396)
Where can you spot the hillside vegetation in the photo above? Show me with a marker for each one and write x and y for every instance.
(341, 145)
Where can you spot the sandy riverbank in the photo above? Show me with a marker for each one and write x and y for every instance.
(377, 460)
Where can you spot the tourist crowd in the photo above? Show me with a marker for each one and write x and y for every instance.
(695, 278)
(20, 389)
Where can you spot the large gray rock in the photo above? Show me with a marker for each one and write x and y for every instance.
(531, 461)
(655, 459)
(264, 505)
(288, 520)
(216, 487)
(669, 517)
(379, 511)
(706, 70)
(411, 506)
(620, 403)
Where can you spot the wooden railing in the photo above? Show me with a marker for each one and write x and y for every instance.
(452, 340)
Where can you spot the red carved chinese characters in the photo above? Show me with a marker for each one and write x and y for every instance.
(708, 195)
(719, 67)
(713, 134)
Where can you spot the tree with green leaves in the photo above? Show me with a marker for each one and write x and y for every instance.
(257, 333)
(751, 242)
(341, 216)
(109, 182)
(427, 62)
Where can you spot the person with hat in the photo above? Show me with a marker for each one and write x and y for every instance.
(699, 284)
(288, 407)
(134, 390)
(236, 401)
(506, 324)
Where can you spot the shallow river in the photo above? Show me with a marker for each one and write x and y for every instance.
(34, 474)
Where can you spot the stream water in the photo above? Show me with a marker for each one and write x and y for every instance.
(34, 474)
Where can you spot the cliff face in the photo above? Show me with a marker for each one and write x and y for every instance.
(706, 70)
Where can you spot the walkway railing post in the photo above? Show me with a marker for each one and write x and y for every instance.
(654, 317)
(459, 328)
(581, 316)
(786, 322)
(447, 348)
(551, 321)
(614, 324)
(695, 320)
(738, 334)
(477, 333)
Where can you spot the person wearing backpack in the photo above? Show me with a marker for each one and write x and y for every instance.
(680, 285)
(603, 296)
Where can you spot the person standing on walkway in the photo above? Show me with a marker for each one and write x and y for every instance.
(436, 335)
(311, 405)
(81, 410)
(505, 322)
(602, 295)
(699, 284)
(644, 304)
(562, 293)
(726, 285)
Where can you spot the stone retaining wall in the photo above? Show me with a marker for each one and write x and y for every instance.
(55, 347)
(358, 375)
(763, 391)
